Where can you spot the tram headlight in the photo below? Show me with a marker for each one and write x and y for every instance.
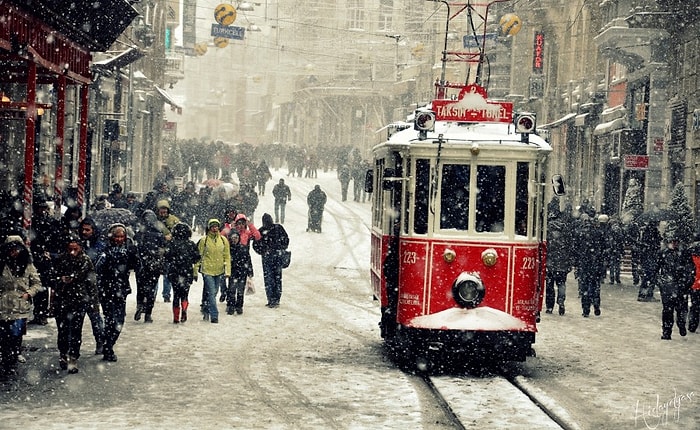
(489, 257)
(468, 290)
(449, 255)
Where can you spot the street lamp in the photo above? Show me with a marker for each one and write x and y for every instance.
(245, 7)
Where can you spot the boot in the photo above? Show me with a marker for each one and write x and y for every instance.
(176, 315)
(72, 365)
(63, 362)
(139, 311)
(147, 318)
(183, 317)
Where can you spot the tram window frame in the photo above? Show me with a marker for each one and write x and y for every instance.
(451, 217)
(421, 195)
(378, 218)
(522, 199)
(490, 207)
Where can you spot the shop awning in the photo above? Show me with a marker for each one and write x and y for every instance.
(95, 25)
(120, 60)
(169, 99)
(560, 121)
(610, 126)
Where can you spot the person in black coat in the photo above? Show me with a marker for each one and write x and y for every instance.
(675, 274)
(559, 249)
(271, 246)
(648, 249)
(113, 268)
(241, 270)
(316, 201)
(76, 292)
(180, 257)
(589, 246)
(150, 243)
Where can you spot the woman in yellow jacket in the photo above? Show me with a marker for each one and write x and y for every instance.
(215, 267)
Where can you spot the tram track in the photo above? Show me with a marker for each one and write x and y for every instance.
(498, 400)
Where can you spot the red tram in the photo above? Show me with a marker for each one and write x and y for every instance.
(458, 229)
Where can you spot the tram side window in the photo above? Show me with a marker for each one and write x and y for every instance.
(490, 198)
(420, 216)
(454, 200)
(522, 198)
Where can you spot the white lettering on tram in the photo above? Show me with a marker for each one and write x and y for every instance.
(493, 112)
(409, 299)
(409, 257)
(529, 263)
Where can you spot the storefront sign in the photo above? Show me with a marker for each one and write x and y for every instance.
(636, 162)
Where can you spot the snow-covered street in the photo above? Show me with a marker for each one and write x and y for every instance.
(317, 360)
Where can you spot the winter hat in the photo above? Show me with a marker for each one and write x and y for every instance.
(603, 219)
(213, 221)
(163, 204)
(267, 220)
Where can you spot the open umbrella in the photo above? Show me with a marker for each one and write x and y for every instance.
(213, 182)
(106, 217)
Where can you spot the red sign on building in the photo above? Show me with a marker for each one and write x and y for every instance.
(636, 162)
(538, 53)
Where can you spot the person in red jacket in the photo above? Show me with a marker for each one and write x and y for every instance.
(694, 312)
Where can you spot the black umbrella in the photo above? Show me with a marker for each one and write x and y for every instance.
(106, 217)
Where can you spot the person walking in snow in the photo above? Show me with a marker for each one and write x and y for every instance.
(241, 273)
(19, 283)
(181, 255)
(316, 201)
(215, 267)
(588, 245)
(675, 274)
(113, 269)
(274, 241)
(648, 249)
(94, 245)
(282, 195)
(245, 232)
(150, 243)
(559, 248)
(75, 293)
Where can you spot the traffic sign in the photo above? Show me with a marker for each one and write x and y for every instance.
(229, 32)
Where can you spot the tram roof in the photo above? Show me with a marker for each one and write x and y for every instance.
(483, 133)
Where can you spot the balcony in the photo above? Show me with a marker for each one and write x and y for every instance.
(635, 40)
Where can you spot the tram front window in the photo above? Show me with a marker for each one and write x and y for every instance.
(490, 198)
(454, 201)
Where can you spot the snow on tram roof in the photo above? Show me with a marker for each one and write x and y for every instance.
(461, 132)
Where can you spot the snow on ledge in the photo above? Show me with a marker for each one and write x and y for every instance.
(478, 319)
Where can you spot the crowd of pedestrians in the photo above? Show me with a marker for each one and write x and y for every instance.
(79, 265)
(592, 246)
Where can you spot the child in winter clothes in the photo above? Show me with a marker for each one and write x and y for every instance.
(180, 257)
(241, 270)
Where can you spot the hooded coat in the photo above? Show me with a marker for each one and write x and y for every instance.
(273, 239)
(75, 282)
(17, 277)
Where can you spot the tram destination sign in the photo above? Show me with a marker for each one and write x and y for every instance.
(472, 106)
